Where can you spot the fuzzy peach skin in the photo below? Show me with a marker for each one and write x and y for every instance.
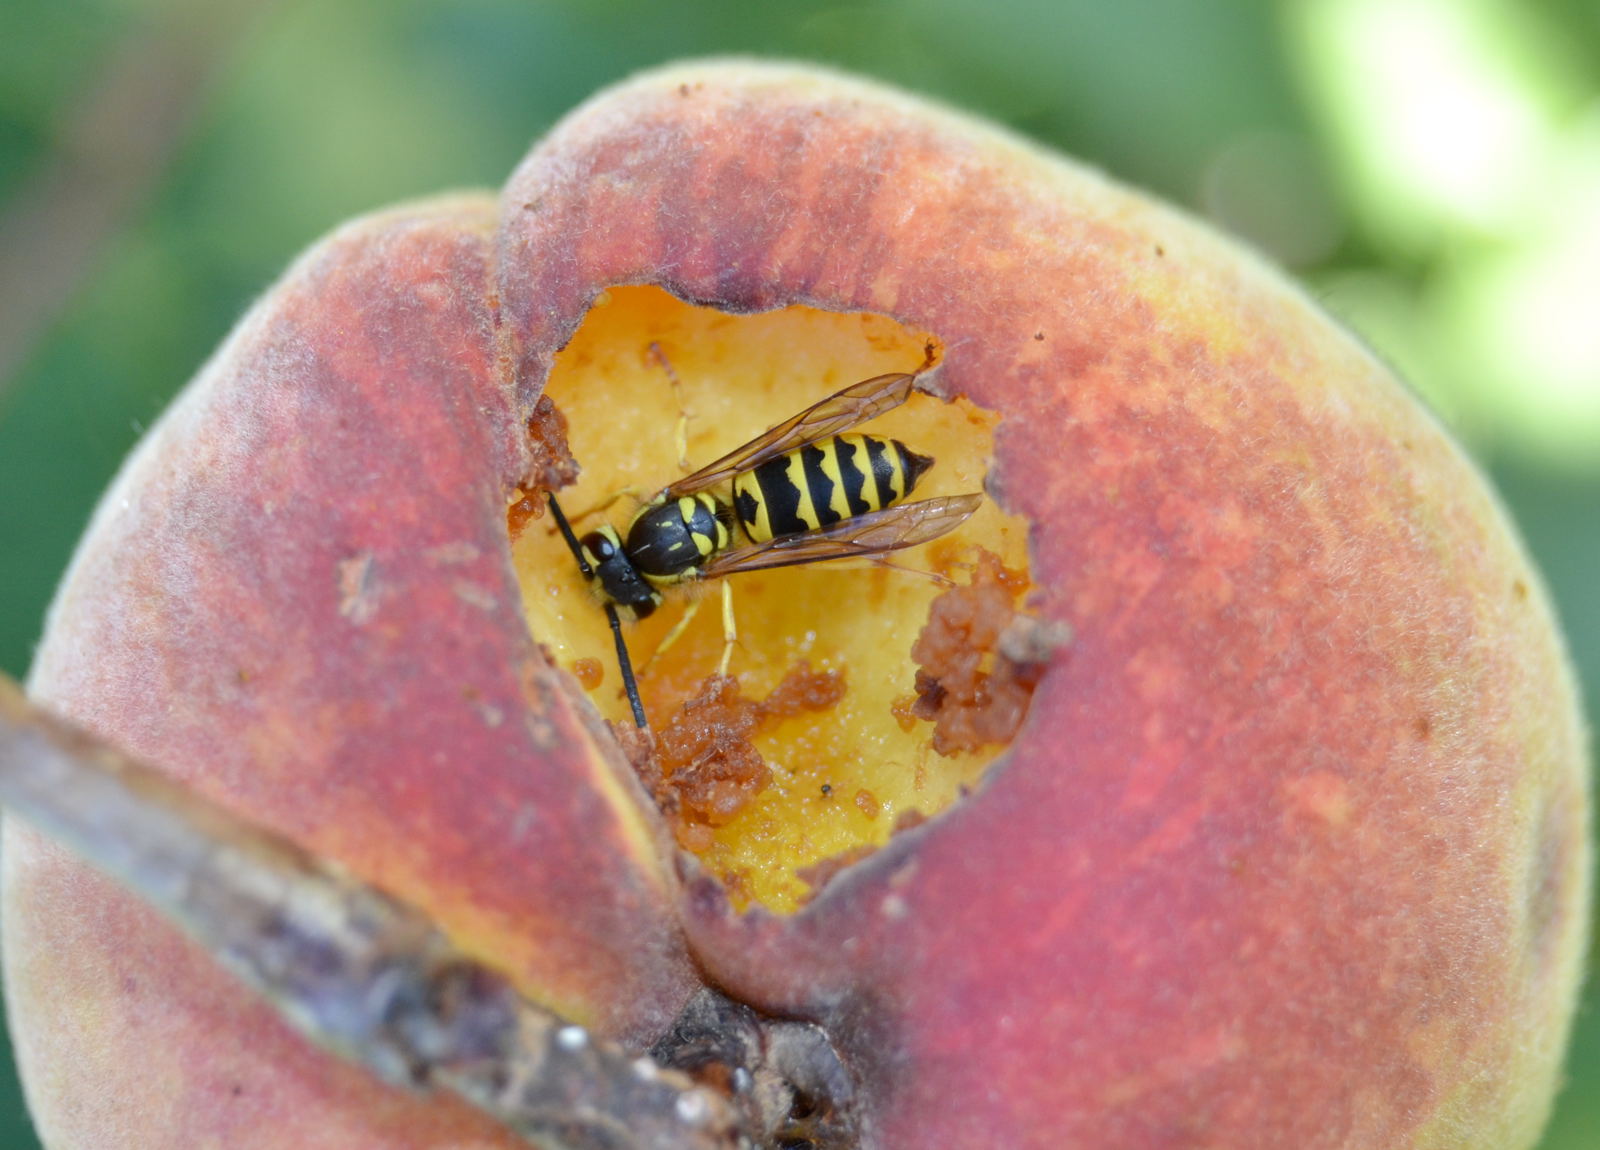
(298, 597)
(1290, 852)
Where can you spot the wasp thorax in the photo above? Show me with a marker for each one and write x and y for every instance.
(670, 540)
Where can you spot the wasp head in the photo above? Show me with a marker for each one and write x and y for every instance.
(618, 579)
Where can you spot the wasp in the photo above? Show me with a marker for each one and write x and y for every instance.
(803, 491)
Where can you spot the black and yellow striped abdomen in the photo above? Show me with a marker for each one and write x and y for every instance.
(817, 485)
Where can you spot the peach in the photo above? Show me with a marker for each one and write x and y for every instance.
(1289, 850)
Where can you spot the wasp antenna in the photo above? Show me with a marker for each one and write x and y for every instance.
(572, 540)
(625, 665)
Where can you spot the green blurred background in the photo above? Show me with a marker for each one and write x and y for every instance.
(1431, 168)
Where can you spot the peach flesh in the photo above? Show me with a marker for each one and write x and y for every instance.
(740, 375)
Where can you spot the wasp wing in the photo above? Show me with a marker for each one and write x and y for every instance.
(839, 412)
(891, 529)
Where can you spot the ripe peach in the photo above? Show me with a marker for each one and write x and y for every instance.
(1290, 849)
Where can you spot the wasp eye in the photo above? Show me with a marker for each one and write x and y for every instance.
(599, 544)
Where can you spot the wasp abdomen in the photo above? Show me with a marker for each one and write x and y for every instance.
(817, 485)
(669, 541)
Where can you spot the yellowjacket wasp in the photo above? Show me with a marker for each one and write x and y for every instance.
(800, 492)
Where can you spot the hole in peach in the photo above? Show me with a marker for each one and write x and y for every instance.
(843, 620)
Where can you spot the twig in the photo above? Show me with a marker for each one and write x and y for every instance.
(352, 968)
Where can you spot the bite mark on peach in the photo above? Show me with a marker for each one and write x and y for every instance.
(736, 376)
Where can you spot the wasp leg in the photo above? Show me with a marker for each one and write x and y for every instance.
(730, 630)
(681, 436)
(605, 504)
(672, 637)
(942, 580)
